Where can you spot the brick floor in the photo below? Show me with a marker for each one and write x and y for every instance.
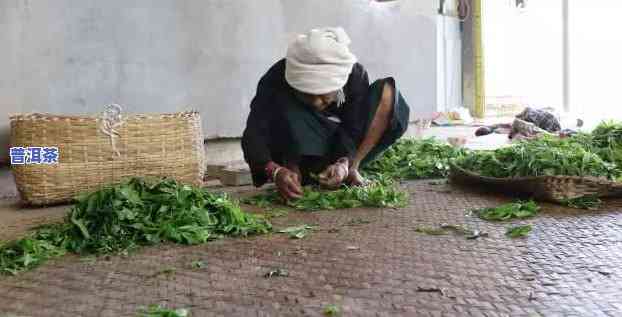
(570, 265)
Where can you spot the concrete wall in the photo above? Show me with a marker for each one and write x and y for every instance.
(528, 45)
(69, 56)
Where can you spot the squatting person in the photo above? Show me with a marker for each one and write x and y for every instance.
(315, 114)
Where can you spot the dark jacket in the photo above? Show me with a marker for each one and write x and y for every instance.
(263, 117)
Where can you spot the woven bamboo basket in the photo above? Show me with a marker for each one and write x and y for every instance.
(93, 154)
(547, 188)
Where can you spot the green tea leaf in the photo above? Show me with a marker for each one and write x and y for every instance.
(445, 229)
(518, 231)
(278, 272)
(518, 210)
(197, 264)
(160, 311)
(332, 310)
(297, 232)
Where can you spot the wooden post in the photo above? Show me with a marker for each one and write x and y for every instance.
(478, 53)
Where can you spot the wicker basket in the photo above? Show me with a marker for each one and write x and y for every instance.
(90, 156)
(548, 188)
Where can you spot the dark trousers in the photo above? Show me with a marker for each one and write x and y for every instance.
(308, 138)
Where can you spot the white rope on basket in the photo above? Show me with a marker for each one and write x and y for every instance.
(111, 118)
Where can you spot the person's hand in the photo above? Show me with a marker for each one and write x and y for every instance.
(334, 175)
(288, 184)
(355, 178)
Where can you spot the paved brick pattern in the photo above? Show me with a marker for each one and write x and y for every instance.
(16, 219)
(368, 262)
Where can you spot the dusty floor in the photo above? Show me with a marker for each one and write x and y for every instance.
(368, 262)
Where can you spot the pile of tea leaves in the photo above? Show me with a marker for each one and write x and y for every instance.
(605, 140)
(376, 194)
(588, 202)
(414, 159)
(543, 156)
(132, 214)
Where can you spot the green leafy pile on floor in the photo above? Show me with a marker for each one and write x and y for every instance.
(543, 156)
(159, 311)
(414, 159)
(514, 210)
(376, 194)
(129, 215)
(596, 154)
(139, 213)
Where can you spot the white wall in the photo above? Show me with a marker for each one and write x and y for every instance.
(72, 57)
(595, 60)
(449, 64)
(449, 58)
(523, 51)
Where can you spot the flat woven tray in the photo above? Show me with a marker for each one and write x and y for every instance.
(548, 188)
(93, 153)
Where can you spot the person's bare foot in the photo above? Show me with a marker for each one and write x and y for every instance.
(334, 175)
(355, 178)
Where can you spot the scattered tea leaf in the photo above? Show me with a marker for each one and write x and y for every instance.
(197, 264)
(332, 310)
(518, 231)
(160, 311)
(300, 252)
(461, 229)
(297, 232)
(445, 229)
(476, 234)
(278, 272)
(515, 210)
(261, 201)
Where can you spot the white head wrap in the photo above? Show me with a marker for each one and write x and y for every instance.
(319, 62)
